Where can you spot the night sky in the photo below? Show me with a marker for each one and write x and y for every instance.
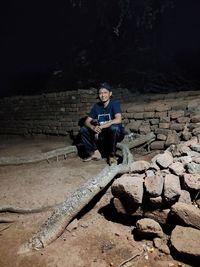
(38, 38)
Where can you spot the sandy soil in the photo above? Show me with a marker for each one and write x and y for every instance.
(97, 238)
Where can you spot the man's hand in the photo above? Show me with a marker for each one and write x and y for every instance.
(97, 129)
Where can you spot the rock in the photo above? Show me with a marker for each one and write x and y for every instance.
(188, 213)
(193, 168)
(186, 242)
(164, 125)
(156, 201)
(165, 159)
(161, 137)
(128, 188)
(191, 181)
(196, 131)
(179, 150)
(159, 215)
(125, 208)
(186, 135)
(198, 203)
(153, 165)
(134, 125)
(185, 197)
(192, 141)
(195, 147)
(156, 145)
(150, 173)
(177, 126)
(161, 245)
(196, 160)
(139, 166)
(149, 228)
(184, 159)
(172, 188)
(183, 120)
(144, 128)
(177, 114)
(154, 185)
(162, 107)
(195, 118)
(193, 154)
(177, 168)
(172, 138)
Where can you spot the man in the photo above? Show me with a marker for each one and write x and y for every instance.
(103, 127)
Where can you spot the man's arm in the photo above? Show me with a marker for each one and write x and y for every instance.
(88, 123)
(117, 119)
(96, 129)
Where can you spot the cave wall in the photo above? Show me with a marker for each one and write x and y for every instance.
(172, 116)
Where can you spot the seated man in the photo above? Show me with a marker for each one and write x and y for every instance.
(103, 127)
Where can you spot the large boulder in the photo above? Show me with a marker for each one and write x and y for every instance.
(185, 197)
(185, 242)
(191, 181)
(165, 159)
(139, 166)
(159, 215)
(193, 167)
(154, 185)
(128, 188)
(125, 207)
(188, 213)
(172, 188)
(177, 168)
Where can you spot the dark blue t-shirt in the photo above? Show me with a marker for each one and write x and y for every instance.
(103, 114)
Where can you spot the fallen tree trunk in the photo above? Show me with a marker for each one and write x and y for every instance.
(38, 157)
(66, 211)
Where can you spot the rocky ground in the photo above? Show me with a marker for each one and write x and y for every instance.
(97, 237)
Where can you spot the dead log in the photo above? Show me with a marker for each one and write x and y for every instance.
(38, 157)
(65, 212)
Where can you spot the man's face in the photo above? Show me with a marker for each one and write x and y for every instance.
(104, 95)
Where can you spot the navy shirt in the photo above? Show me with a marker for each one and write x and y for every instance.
(103, 114)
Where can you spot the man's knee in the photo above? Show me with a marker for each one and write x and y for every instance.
(83, 130)
(114, 128)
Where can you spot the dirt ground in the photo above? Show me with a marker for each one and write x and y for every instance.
(97, 238)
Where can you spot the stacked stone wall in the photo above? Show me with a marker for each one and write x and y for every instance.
(172, 117)
(55, 113)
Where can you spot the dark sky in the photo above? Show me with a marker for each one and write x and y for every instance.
(36, 37)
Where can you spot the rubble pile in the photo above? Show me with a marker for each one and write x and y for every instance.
(163, 196)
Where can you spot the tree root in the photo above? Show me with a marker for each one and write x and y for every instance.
(140, 141)
(25, 211)
(129, 259)
(39, 157)
(65, 212)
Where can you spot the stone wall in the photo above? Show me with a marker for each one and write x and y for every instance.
(55, 113)
(172, 117)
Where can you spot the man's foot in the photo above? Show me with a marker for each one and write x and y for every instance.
(112, 160)
(95, 156)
